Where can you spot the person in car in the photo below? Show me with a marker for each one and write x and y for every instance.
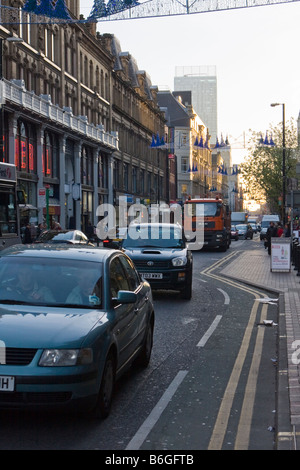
(28, 288)
(86, 292)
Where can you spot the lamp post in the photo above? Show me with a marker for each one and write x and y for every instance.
(283, 159)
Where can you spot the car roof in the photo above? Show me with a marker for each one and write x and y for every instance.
(86, 253)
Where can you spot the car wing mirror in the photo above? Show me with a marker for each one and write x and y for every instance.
(125, 297)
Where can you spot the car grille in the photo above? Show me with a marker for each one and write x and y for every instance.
(19, 356)
(156, 264)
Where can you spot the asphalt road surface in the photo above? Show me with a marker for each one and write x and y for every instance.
(211, 382)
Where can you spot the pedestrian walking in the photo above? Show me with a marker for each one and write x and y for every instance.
(279, 230)
(287, 230)
(27, 234)
(271, 233)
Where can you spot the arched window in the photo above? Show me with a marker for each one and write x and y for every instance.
(86, 166)
(102, 171)
(50, 155)
(25, 148)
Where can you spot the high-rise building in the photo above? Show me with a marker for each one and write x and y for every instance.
(202, 82)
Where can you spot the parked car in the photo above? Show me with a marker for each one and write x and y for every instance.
(234, 233)
(73, 319)
(254, 227)
(160, 254)
(74, 237)
(245, 231)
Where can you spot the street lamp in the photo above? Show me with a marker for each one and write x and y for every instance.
(283, 158)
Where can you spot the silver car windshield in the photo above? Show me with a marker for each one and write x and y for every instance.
(51, 281)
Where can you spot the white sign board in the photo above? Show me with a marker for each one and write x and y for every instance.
(281, 254)
(8, 172)
(42, 198)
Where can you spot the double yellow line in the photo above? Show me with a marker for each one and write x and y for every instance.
(244, 426)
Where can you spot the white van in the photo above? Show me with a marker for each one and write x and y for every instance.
(266, 222)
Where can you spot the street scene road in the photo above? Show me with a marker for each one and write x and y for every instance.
(211, 382)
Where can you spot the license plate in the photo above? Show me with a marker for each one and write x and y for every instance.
(152, 275)
(7, 384)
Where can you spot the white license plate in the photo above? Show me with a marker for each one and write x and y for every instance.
(152, 275)
(7, 384)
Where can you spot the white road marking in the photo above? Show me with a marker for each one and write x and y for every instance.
(209, 332)
(155, 414)
(227, 298)
(201, 280)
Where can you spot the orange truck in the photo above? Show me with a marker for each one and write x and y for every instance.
(212, 216)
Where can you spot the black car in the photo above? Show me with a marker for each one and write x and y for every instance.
(161, 256)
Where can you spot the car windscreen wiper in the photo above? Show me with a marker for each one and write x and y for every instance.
(63, 305)
(13, 301)
(24, 302)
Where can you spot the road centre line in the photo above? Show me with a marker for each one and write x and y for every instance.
(155, 414)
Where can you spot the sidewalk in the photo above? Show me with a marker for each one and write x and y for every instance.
(253, 267)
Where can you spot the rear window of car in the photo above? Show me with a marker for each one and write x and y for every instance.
(51, 281)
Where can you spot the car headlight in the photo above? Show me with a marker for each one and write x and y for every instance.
(180, 261)
(65, 357)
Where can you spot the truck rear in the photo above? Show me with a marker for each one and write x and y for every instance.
(212, 216)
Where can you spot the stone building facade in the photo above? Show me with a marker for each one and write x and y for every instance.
(78, 119)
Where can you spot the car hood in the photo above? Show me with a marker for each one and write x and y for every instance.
(145, 252)
(40, 327)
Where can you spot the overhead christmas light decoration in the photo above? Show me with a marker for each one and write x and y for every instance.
(49, 8)
(56, 12)
(111, 10)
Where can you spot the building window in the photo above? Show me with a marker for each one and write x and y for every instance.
(102, 172)
(25, 148)
(184, 164)
(142, 181)
(149, 182)
(125, 176)
(116, 178)
(134, 179)
(50, 155)
(86, 166)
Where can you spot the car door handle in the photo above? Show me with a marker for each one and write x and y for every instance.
(136, 310)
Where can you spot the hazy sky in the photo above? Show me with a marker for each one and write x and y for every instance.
(255, 51)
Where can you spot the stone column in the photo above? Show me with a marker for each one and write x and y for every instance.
(77, 181)
(94, 220)
(39, 164)
(62, 180)
(12, 134)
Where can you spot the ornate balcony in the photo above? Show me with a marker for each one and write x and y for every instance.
(15, 92)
